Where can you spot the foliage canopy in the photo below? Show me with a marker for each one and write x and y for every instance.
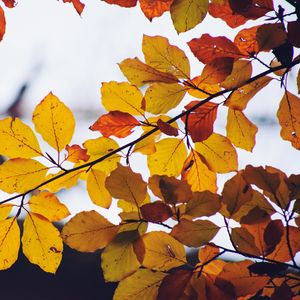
(259, 206)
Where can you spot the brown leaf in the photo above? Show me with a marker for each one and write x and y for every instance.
(117, 123)
(174, 284)
(208, 48)
(166, 128)
(293, 33)
(156, 212)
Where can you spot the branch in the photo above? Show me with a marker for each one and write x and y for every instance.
(132, 143)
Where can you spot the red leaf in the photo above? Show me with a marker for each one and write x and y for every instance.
(200, 122)
(76, 154)
(115, 123)
(123, 3)
(2, 23)
(9, 3)
(208, 48)
(79, 6)
(156, 8)
(156, 212)
(166, 128)
(293, 33)
(173, 285)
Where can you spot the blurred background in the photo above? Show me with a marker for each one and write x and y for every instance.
(49, 47)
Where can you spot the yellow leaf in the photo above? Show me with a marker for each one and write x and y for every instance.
(161, 97)
(194, 233)
(100, 147)
(124, 184)
(239, 99)
(241, 72)
(197, 174)
(187, 14)
(65, 182)
(88, 231)
(48, 205)
(17, 139)
(9, 242)
(240, 130)
(288, 116)
(219, 154)
(54, 121)
(118, 260)
(164, 57)
(143, 284)
(5, 210)
(122, 96)
(169, 157)
(95, 185)
(203, 87)
(161, 251)
(21, 174)
(139, 73)
(42, 243)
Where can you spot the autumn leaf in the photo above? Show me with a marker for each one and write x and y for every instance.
(240, 130)
(200, 122)
(156, 212)
(247, 42)
(123, 183)
(5, 210)
(197, 174)
(118, 260)
(122, 96)
(88, 231)
(123, 3)
(218, 153)
(194, 233)
(54, 121)
(143, 284)
(207, 48)
(202, 204)
(9, 3)
(139, 73)
(169, 157)
(76, 154)
(42, 243)
(186, 15)
(21, 174)
(49, 206)
(162, 97)
(115, 123)
(239, 98)
(152, 9)
(208, 252)
(2, 23)
(95, 185)
(17, 139)
(293, 33)
(170, 189)
(174, 284)
(241, 72)
(9, 242)
(161, 251)
(201, 87)
(166, 128)
(79, 6)
(287, 113)
(163, 56)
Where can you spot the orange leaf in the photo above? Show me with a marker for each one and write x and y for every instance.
(115, 123)
(200, 122)
(207, 252)
(153, 9)
(122, 3)
(174, 284)
(246, 41)
(200, 88)
(79, 6)
(207, 48)
(76, 153)
(2, 23)
(166, 128)
(156, 212)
